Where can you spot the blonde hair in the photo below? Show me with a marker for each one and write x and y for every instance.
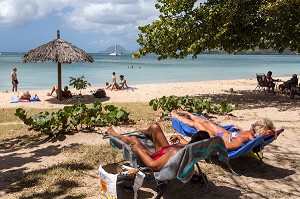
(262, 125)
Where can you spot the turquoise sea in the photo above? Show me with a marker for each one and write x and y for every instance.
(38, 76)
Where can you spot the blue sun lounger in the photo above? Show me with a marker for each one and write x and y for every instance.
(189, 131)
(255, 145)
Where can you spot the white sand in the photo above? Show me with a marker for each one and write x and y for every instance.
(137, 93)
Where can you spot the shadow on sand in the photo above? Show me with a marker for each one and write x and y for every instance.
(85, 99)
(253, 99)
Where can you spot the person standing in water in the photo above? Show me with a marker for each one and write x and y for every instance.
(14, 80)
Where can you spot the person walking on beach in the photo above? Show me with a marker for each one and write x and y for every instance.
(14, 80)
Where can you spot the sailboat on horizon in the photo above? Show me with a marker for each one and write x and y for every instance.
(115, 53)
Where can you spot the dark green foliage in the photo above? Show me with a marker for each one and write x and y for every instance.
(190, 27)
(74, 118)
(192, 105)
(79, 83)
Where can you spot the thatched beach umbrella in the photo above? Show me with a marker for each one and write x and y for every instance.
(58, 51)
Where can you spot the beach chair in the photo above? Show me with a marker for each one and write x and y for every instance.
(180, 168)
(186, 130)
(255, 145)
(261, 82)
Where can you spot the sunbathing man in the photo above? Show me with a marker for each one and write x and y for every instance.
(232, 140)
(65, 93)
(163, 150)
(25, 96)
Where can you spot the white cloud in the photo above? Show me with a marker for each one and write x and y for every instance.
(108, 17)
(14, 13)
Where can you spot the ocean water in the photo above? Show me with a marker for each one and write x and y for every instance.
(37, 76)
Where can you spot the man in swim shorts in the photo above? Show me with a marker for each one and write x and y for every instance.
(14, 80)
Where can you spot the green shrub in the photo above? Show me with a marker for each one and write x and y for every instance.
(79, 83)
(193, 105)
(74, 118)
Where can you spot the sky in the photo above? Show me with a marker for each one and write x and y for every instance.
(92, 25)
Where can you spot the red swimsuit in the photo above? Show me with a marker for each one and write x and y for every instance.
(159, 153)
(163, 150)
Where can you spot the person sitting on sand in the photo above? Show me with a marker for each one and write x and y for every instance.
(285, 85)
(270, 82)
(295, 89)
(108, 85)
(113, 77)
(122, 84)
(65, 93)
(163, 150)
(292, 83)
(232, 140)
(25, 96)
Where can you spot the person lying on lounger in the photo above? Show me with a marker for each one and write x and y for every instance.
(163, 150)
(232, 140)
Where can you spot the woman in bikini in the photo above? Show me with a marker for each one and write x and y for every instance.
(163, 150)
(232, 140)
(122, 84)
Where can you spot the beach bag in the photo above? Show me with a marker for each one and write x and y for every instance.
(35, 98)
(100, 93)
(120, 181)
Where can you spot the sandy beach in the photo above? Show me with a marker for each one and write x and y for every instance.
(280, 175)
(137, 93)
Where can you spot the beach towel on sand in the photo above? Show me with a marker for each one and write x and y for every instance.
(32, 99)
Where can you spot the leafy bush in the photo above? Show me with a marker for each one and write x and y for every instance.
(193, 105)
(79, 83)
(74, 118)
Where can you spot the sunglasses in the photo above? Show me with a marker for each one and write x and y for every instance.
(253, 127)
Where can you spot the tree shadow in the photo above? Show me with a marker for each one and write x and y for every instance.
(25, 181)
(9, 143)
(15, 159)
(192, 190)
(252, 167)
(177, 189)
(253, 100)
(83, 99)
